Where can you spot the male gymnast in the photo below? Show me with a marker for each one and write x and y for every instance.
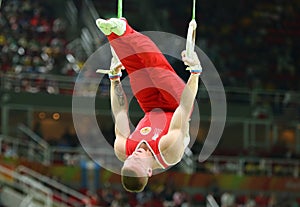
(161, 136)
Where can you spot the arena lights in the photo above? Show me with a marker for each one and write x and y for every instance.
(56, 116)
(42, 115)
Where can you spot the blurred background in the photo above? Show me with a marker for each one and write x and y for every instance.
(253, 44)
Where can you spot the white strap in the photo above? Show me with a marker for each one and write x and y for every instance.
(191, 36)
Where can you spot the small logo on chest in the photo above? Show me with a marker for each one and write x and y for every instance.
(157, 132)
(145, 130)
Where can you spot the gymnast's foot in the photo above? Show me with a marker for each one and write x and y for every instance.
(113, 25)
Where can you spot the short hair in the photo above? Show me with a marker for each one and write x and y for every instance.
(131, 182)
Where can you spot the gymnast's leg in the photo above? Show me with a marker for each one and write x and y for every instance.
(137, 52)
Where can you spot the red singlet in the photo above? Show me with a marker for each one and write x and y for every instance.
(155, 85)
(150, 129)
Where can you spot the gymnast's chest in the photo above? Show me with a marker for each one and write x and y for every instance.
(152, 127)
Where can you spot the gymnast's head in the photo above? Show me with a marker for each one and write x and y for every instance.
(136, 170)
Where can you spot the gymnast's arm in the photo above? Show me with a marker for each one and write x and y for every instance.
(172, 144)
(119, 107)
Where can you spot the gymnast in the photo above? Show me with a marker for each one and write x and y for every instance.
(161, 136)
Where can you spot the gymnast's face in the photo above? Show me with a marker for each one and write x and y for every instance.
(140, 161)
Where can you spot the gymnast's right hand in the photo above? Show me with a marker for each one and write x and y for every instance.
(115, 69)
(114, 73)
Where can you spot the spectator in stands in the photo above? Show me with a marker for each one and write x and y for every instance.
(167, 195)
(119, 200)
(261, 199)
(227, 199)
(9, 151)
(28, 28)
(144, 197)
(106, 195)
(250, 201)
